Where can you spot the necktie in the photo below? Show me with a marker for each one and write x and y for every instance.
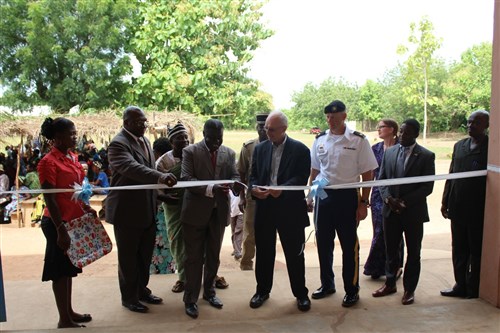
(400, 163)
(143, 146)
(213, 158)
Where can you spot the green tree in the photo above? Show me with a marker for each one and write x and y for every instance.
(244, 116)
(194, 54)
(65, 53)
(311, 101)
(371, 106)
(423, 44)
(468, 87)
(395, 106)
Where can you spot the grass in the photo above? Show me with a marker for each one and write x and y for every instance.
(235, 139)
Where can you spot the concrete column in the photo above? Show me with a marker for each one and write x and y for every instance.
(490, 265)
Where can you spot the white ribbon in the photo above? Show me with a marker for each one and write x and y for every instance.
(387, 182)
(494, 168)
(186, 184)
(181, 184)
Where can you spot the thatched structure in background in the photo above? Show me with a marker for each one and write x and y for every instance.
(101, 128)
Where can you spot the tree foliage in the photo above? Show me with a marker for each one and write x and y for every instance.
(311, 101)
(372, 105)
(468, 87)
(194, 55)
(457, 89)
(418, 65)
(65, 53)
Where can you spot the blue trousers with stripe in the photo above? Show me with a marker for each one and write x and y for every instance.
(336, 215)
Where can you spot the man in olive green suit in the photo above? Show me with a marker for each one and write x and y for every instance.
(205, 212)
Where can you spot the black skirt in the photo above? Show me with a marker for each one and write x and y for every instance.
(56, 264)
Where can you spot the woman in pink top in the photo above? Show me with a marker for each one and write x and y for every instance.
(60, 169)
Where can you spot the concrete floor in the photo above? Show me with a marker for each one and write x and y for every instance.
(31, 306)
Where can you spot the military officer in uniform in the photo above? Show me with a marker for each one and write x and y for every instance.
(247, 204)
(341, 155)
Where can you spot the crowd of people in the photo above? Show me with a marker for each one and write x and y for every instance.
(25, 177)
(181, 229)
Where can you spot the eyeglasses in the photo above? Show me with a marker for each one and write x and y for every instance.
(141, 123)
(382, 126)
(272, 130)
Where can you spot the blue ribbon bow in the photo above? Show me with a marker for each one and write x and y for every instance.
(84, 192)
(317, 189)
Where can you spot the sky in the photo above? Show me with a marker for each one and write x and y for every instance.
(356, 39)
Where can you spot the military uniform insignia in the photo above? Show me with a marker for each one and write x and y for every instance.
(321, 134)
(361, 135)
(249, 142)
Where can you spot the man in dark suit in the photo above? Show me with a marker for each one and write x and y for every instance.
(280, 160)
(463, 203)
(205, 212)
(132, 212)
(405, 208)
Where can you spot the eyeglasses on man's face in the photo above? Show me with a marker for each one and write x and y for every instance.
(273, 129)
(141, 123)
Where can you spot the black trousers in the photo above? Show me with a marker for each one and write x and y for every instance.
(337, 215)
(394, 228)
(467, 243)
(135, 250)
(292, 239)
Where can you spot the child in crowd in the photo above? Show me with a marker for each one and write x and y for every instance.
(236, 226)
(102, 177)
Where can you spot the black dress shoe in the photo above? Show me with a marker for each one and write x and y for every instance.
(136, 307)
(408, 298)
(151, 299)
(214, 301)
(452, 292)
(304, 304)
(384, 291)
(322, 292)
(350, 300)
(191, 310)
(257, 300)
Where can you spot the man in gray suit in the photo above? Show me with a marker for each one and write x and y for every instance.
(132, 212)
(405, 208)
(205, 212)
